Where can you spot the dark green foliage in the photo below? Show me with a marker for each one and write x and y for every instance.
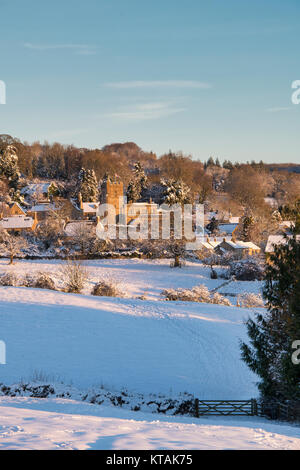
(138, 184)
(272, 334)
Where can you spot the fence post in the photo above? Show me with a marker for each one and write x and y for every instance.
(196, 407)
(253, 407)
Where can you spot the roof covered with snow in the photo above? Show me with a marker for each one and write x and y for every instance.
(32, 188)
(227, 228)
(42, 207)
(90, 207)
(73, 228)
(16, 222)
(274, 240)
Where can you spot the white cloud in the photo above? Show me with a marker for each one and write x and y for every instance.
(159, 84)
(80, 49)
(277, 110)
(145, 111)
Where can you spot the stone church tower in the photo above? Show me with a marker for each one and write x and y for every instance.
(113, 193)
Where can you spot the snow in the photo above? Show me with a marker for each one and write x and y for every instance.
(17, 222)
(145, 346)
(27, 423)
(98, 344)
(137, 276)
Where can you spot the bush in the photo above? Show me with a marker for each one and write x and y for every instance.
(196, 294)
(42, 281)
(74, 275)
(249, 269)
(220, 299)
(107, 288)
(9, 279)
(250, 301)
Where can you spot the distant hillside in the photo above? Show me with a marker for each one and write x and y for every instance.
(290, 167)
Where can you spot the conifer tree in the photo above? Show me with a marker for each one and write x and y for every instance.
(272, 334)
(87, 186)
(176, 192)
(9, 166)
(138, 183)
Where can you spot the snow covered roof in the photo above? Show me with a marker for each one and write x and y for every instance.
(240, 245)
(32, 188)
(90, 207)
(274, 240)
(73, 228)
(234, 220)
(42, 207)
(227, 228)
(286, 224)
(271, 201)
(16, 222)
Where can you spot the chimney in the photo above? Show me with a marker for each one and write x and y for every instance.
(80, 201)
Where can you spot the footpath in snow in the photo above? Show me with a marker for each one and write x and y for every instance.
(142, 346)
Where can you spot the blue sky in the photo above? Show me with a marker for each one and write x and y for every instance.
(204, 77)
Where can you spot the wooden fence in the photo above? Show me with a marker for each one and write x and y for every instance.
(226, 407)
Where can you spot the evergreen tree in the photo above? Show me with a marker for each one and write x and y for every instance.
(271, 335)
(176, 192)
(138, 184)
(9, 166)
(247, 226)
(213, 225)
(87, 186)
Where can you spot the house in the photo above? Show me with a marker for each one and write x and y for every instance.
(36, 190)
(228, 229)
(77, 228)
(11, 209)
(238, 248)
(88, 209)
(41, 210)
(274, 240)
(18, 223)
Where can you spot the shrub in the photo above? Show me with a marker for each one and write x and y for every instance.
(196, 294)
(74, 275)
(220, 299)
(9, 279)
(249, 269)
(42, 281)
(107, 288)
(250, 301)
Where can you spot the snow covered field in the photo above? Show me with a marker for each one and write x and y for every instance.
(27, 423)
(138, 277)
(143, 346)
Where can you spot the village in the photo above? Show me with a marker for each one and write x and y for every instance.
(71, 222)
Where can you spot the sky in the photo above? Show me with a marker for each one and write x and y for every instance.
(208, 78)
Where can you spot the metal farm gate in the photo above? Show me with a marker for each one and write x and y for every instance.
(226, 407)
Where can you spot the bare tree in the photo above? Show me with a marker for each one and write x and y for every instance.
(74, 275)
(13, 245)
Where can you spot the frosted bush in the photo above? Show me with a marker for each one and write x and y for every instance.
(196, 294)
(220, 299)
(41, 281)
(249, 269)
(107, 288)
(250, 300)
(74, 275)
(9, 279)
